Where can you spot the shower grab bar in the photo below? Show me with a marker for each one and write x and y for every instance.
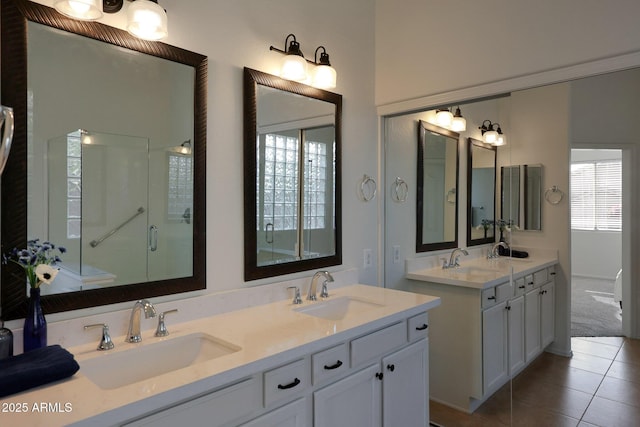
(110, 233)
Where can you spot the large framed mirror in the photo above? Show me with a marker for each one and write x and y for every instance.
(481, 188)
(437, 188)
(292, 176)
(108, 160)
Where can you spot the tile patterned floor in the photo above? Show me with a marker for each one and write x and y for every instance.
(598, 386)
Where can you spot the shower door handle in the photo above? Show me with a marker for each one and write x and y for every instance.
(268, 233)
(153, 238)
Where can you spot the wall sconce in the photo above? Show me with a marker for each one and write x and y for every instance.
(455, 122)
(492, 133)
(294, 65)
(146, 19)
(325, 75)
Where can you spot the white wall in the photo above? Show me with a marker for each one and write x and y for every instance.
(237, 34)
(431, 47)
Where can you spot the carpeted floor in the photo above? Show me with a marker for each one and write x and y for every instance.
(594, 313)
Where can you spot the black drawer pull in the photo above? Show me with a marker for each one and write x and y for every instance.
(379, 375)
(521, 287)
(288, 386)
(336, 366)
(422, 328)
(553, 273)
(490, 298)
(391, 367)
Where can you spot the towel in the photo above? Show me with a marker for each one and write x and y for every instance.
(512, 252)
(35, 368)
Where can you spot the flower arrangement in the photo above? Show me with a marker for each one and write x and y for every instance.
(487, 223)
(505, 224)
(37, 261)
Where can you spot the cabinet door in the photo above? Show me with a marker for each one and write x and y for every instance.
(532, 324)
(293, 414)
(547, 314)
(353, 401)
(405, 394)
(516, 335)
(494, 347)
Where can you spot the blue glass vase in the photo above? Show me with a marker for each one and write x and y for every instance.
(35, 325)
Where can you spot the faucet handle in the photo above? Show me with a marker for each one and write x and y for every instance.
(297, 299)
(325, 292)
(105, 341)
(162, 331)
(445, 263)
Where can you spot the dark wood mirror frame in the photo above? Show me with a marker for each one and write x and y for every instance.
(420, 245)
(14, 17)
(493, 148)
(253, 78)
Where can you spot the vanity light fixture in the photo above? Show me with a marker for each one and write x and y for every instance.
(84, 10)
(294, 65)
(324, 76)
(147, 20)
(444, 117)
(458, 123)
(492, 133)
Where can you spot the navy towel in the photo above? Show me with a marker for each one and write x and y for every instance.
(35, 368)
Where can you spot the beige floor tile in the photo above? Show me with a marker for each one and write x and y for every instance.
(621, 391)
(449, 417)
(552, 397)
(630, 352)
(564, 375)
(625, 371)
(607, 413)
(617, 341)
(585, 424)
(590, 363)
(594, 348)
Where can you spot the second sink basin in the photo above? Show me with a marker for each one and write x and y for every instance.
(109, 371)
(338, 308)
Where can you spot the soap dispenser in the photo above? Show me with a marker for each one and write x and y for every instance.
(6, 342)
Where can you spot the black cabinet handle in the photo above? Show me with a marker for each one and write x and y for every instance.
(491, 298)
(422, 328)
(530, 283)
(508, 307)
(521, 287)
(336, 366)
(553, 273)
(288, 386)
(379, 375)
(391, 367)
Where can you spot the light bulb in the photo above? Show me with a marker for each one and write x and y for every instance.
(459, 124)
(294, 67)
(444, 118)
(85, 10)
(147, 20)
(490, 137)
(324, 77)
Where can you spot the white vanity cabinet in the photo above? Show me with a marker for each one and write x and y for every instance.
(391, 392)
(483, 336)
(379, 378)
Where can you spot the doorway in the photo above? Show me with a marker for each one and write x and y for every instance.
(596, 242)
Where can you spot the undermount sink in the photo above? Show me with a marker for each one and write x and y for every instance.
(109, 371)
(475, 270)
(338, 308)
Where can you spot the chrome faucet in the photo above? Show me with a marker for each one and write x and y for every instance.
(493, 253)
(311, 296)
(453, 259)
(134, 324)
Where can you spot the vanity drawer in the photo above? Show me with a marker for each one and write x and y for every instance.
(551, 271)
(213, 409)
(520, 287)
(489, 297)
(286, 382)
(418, 327)
(528, 281)
(329, 363)
(540, 277)
(504, 292)
(376, 344)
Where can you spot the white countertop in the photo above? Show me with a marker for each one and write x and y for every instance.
(482, 273)
(267, 335)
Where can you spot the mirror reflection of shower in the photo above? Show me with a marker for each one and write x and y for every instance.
(122, 210)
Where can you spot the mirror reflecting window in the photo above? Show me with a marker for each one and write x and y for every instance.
(437, 188)
(107, 159)
(521, 190)
(481, 187)
(292, 134)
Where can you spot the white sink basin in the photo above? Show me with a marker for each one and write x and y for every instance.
(475, 270)
(338, 308)
(109, 371)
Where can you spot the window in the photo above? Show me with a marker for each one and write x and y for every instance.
(596, 195)
(180, 189)
(280, 185)
(74, 186)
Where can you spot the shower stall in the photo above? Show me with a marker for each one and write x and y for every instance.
(122, 209)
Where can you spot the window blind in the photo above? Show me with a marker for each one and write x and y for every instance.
(596, 195)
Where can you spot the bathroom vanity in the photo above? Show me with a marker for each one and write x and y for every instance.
(496, 317)
(359, 357)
